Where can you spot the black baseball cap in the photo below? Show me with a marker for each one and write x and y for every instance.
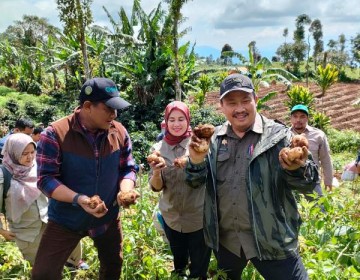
(236, 82)
(103, 90)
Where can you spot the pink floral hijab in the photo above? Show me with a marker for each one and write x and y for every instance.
(23, 188)
(176, 105)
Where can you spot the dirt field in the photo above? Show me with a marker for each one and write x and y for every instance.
(337, 104)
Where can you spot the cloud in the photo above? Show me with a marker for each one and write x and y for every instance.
(214, 23)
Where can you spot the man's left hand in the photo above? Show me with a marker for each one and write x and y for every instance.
(295, 164)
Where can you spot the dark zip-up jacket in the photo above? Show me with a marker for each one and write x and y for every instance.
(273, 213)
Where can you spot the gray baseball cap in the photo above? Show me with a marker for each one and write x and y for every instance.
(236, 82)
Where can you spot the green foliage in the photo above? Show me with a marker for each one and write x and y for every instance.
(142, 140)
(329, 242)
(320, 120)
(346, 140)
(261, 102)
(299, 95)
(34, 88)
(37, 108)
(206, 114)
(204, 83)
(325, 77)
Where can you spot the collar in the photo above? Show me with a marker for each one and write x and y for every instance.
(307, 129)
(182, 144)
(257, 127)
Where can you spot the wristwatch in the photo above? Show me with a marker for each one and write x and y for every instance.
(75, 199)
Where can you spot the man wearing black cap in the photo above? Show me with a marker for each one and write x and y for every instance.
(84, 154)
(318, 144)
(250, 212)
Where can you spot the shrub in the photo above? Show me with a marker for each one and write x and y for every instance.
(34, 88)
(206, 114)
(320, 120)
(345, 140)
(299, 95)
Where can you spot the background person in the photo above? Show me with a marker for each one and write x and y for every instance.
(26, 207)
(181, 206)
(25, 126)
(318, 144)
(36, 133)
(250, 212)
(84, 154)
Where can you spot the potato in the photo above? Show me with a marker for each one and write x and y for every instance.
(203, 146)
(299, 141)
(204, 131)
(180, 162)
(155, 157)
(295, 153)
(94, 202)
(292, 153)
(128, 197)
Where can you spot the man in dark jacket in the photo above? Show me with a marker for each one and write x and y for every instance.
(250, 212)
(84, 154)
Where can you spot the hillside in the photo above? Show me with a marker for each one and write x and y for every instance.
(336, 104)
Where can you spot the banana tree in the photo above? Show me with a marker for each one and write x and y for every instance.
(261, 72)
(10, 63)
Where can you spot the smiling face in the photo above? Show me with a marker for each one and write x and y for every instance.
(239, 109)
(28, 155)
(177, 123)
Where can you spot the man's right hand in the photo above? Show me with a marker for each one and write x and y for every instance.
(196, 157)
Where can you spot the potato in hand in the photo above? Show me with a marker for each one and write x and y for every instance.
(204, 133)
(94, 201)
(156, 158)
(128, 198)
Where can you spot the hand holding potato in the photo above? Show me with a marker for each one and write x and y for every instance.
(294, 157)
(200, 142)
(127, 198)
(181, 162)
(93, 205)
(156, 161)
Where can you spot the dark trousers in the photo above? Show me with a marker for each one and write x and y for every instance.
(288, 269)
(58, 242)
(189, 245)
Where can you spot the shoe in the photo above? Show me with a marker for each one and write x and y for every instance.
(70, 266)
(83, 265)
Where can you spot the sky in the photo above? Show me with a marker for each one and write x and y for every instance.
(215, 23)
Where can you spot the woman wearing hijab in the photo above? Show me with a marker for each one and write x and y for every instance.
(180, 205)
(25, 205)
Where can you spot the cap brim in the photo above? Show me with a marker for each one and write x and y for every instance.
(117, 103)
(300, 110)
(248, 90)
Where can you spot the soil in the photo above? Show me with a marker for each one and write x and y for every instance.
(336, 104)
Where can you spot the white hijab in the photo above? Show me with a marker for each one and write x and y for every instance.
(23, 188)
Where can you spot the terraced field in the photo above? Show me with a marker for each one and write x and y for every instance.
(337, 104)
